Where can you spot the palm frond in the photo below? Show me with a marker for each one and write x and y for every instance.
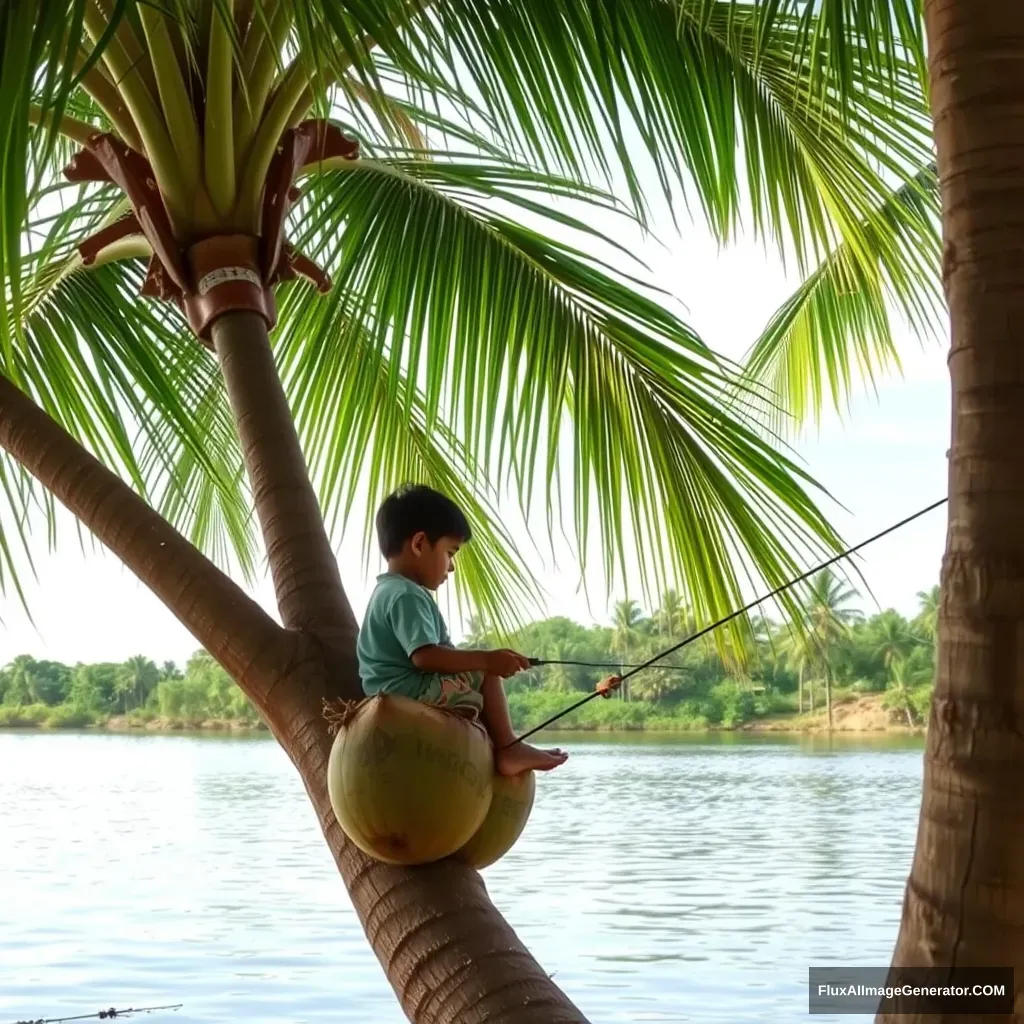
(493, 354)
(687, 88)
(848, 31)
(131, 388)
(836, 329)
(33, 41)
(513, 335)
(366, 433)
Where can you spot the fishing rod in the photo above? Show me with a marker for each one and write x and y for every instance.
(535, 662)
(732, 615)
(102, 1014)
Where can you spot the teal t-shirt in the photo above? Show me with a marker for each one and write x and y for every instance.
(401, 618)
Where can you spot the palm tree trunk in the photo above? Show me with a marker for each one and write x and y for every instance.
(964, 900)
(828, 696)
(800, 691)
(447, 952)
(307, 583)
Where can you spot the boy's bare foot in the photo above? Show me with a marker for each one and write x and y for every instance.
(522, 757)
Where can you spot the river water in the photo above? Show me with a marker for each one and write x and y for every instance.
(676, 880)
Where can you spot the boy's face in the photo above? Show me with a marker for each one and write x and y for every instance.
(434, 562)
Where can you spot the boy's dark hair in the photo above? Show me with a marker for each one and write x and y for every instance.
(413, 509)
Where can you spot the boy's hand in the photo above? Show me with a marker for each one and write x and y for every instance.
(608, 684)
(506, 663)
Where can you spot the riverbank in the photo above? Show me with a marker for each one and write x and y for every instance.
(858, 714)
(851, 713)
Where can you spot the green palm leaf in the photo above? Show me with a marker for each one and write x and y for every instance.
(836, 329)
(366, 433)
(683, 87)
(537, 355)
(499, 349)
(127, 389)
(149, 401)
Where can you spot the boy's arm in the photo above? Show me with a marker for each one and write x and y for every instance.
(412, 618)
(433, 658)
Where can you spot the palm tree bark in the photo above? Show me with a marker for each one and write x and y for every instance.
(307, 583)
(964, 900)
(448, 953)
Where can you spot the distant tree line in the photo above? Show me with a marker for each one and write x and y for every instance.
(50, 693)
(782, 667)
(833, 646)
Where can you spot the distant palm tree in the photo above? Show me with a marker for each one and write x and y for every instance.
(670, 615)
(801, 657)
(560, 676)
(828, 618)
(893, 641)
(902, 679)
(928, 613)
(477, 633)
(135, 681)
(628, 616)
(21, 689)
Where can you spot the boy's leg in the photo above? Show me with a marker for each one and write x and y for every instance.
(496, 716)
(511, 760)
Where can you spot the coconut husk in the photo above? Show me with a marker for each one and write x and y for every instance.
(339, 713)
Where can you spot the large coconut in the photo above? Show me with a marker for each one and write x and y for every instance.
(506, 818)
(409, 784)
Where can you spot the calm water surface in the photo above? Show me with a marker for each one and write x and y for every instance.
(685, 880)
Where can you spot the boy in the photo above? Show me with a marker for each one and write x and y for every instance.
(403, 645)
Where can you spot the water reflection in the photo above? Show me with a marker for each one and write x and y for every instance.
(688, 879)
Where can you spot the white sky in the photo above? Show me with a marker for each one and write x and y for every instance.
(885, 462)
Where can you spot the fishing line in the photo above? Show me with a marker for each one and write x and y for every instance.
(728, 618)
(535, 662)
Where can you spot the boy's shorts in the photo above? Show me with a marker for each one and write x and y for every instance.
(459, 693)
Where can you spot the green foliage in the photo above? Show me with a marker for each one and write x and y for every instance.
(695, 688)
(474, 338)
(69, 717)
(23, 716)
(136, 689)
(698, 687)
(837, 327)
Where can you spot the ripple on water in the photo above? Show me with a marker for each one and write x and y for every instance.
(668, 882)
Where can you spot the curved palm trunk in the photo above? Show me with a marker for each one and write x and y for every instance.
(447, 952)
(964, 901)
